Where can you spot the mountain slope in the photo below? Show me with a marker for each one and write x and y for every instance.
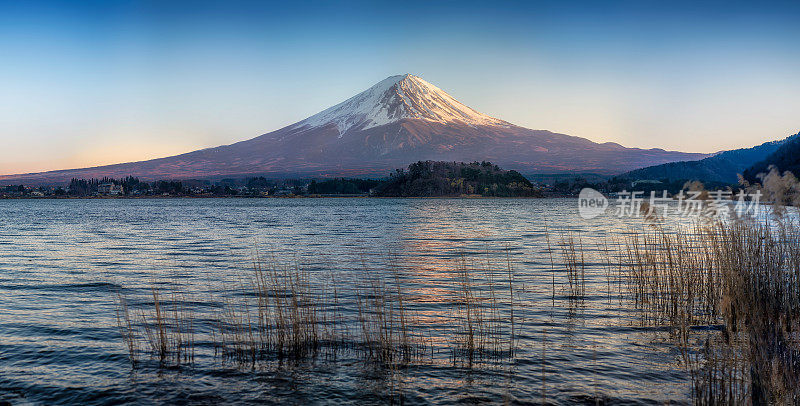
(785, 158)
(400, 120)
(722, 167)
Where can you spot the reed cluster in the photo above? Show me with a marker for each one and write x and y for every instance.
(282, 312)
(484, 319)
(573, 255)
(739, 280)
(671, 276)
(279, 312)
(166, 328)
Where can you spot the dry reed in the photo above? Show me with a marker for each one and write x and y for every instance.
(739, 278)
(282, 312)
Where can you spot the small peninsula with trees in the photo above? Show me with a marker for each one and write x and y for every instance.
(435, 179)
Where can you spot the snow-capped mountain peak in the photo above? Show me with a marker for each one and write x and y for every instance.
(395, 98)
(400, 120)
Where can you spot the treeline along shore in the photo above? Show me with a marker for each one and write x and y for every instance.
(420, 179)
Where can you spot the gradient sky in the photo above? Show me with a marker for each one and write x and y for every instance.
(99, 82)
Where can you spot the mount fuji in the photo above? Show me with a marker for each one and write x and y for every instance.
(399, 120)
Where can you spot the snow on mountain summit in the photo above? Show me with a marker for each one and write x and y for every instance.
(395, 98)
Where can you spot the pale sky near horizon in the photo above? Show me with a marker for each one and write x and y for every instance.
(101, 82)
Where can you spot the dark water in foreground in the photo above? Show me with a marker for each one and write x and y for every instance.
(63, 263)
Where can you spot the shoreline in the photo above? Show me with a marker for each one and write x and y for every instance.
(275, 197)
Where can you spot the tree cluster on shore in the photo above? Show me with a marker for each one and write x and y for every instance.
(433, 178)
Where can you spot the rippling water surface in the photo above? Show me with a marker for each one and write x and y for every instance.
(63, 264)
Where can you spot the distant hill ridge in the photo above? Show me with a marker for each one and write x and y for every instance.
(785, 158)
(722, 167)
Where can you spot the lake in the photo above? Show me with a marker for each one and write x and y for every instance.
(64, 264)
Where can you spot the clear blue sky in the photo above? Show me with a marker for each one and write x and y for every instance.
(87, 83)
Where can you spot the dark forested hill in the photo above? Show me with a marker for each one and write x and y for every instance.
(720, 168)
(785, 158)
(433, 178)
